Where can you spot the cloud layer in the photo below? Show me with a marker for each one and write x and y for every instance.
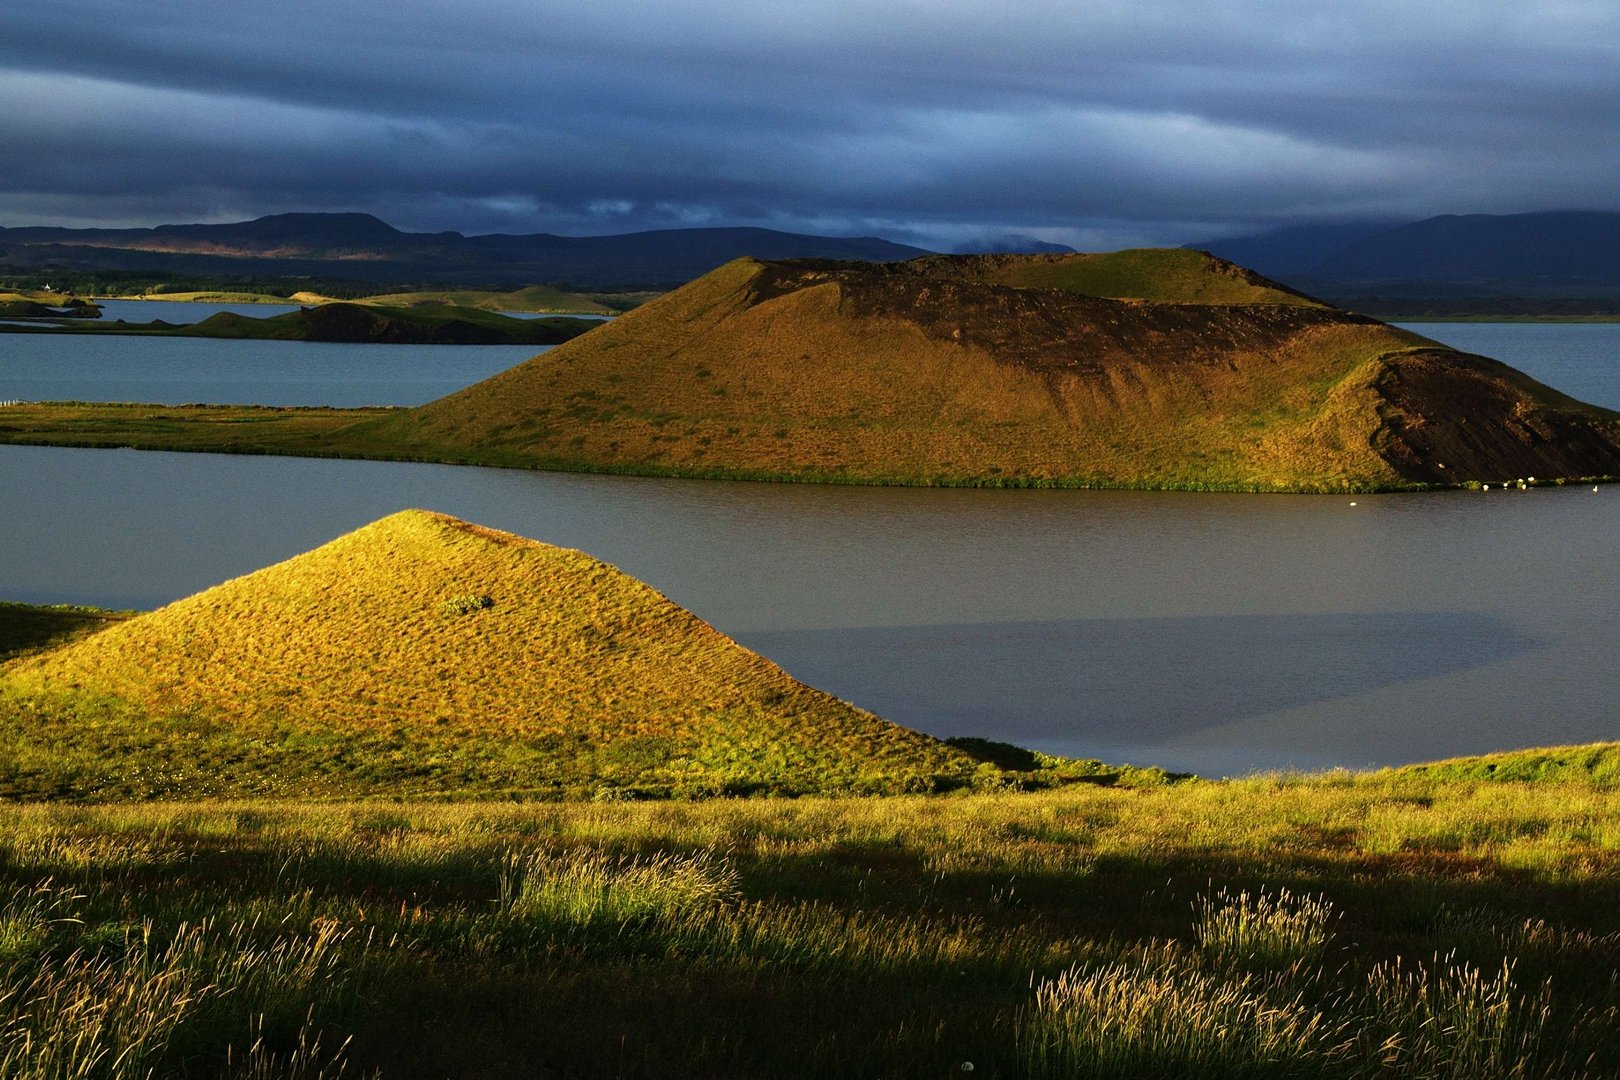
(1096, 123)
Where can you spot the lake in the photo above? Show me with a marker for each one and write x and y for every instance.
(179, 312)
(176, 371)
(1216, 633)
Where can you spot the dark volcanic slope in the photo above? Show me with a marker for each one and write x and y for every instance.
(1143, 369)
(1483, 420)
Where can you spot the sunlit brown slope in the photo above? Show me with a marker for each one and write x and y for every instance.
(1051, 369)
(421, 652)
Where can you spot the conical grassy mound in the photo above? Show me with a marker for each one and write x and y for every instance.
(1137, 369)
(422, 654)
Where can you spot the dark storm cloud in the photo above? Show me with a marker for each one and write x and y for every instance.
(1094, 122)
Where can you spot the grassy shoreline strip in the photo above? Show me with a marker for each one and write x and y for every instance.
(318, 432)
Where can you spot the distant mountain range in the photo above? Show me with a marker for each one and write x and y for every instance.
(1558, 260)
(1562, 262)
(360, 247)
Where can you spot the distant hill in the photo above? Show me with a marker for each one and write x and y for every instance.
(424, 324)
(1013, 244)
(1553, 263)
(1293, 250)
(362, 248)
(1152, 368)
(532, 298)
(422, 654)
(1550, 249)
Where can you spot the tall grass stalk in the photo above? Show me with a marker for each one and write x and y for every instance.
(588, 888)
(1451, 1021)
(1164, 1016)
(1263, 929)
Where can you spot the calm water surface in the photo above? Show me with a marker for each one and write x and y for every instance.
(1220, 633)
(1210, 632)
(182, 311)
(175, 371)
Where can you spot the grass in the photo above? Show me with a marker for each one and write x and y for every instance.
(233, 429)
(530, 298)
(421, 655)
(208, 296)
(1154, 275)
(28, 628)
(1411, 926)
(421, 323)
(341, 433)
(1597, 762)
(1264, 929)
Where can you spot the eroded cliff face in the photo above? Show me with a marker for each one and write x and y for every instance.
(1450, 417)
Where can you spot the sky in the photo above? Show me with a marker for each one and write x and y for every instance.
(1096, 123)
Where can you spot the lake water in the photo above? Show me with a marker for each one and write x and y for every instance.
(175, 371)
(179, 312)
(1218, 633)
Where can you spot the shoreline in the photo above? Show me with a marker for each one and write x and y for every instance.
(316, 432)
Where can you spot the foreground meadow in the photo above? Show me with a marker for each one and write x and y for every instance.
(1415, 924)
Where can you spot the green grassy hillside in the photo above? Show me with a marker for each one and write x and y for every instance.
(26, 628)
(530, 298)
(425, 655)
(1007, 370)
(1593, 763)
(1152, 275)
